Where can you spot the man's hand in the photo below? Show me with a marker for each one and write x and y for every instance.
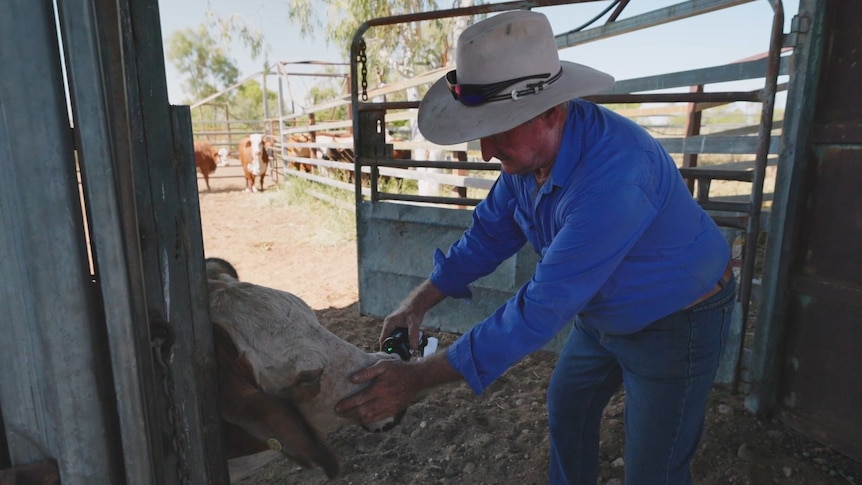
(394, 385)
(405, 319)
(410, 313)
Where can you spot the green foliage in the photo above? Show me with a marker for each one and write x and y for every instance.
(393, 52)
(247, 102)
(233, 25)
(201, 54)
(393, 185)
(326, 91)
(202, 61)
(244, 103)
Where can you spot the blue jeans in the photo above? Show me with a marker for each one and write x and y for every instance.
(667, 371)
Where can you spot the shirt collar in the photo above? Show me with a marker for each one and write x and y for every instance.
(568, 156)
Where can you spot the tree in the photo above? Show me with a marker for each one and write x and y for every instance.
(201, 54)
(393, 52)
(202, 60)
(247, 101)
(325, 91)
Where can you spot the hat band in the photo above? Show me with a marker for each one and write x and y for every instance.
(478, 94)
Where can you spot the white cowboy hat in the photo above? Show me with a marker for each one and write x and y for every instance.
(519, 46)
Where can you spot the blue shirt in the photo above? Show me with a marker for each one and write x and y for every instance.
(621, 242)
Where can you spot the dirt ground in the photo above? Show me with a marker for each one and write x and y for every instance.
(453, 436)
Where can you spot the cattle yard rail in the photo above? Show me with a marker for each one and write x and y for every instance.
(328, 153)
(107, 360)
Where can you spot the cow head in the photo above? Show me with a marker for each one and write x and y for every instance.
(221, 156)
(259, 155)
(280, 371)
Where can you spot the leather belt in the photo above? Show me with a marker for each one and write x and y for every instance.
(725, 279)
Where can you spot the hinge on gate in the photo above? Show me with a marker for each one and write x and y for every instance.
(798, 25)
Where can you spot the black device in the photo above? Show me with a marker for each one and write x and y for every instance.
(398, 343)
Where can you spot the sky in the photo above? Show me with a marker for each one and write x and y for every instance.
(707, 40)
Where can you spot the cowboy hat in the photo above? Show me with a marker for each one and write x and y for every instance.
(509, 71)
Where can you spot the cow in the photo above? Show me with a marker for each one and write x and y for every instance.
(280, 372)
(299, 151)
(205, 159)
(339, 149)
(222, 157)
(254, 157)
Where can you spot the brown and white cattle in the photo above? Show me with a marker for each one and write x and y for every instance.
(222, 157)
(280, 372)
(205, 160)
(254, 157)
(299, 151)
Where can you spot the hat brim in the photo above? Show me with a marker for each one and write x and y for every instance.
(445, 121)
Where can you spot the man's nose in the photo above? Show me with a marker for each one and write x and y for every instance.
(489, 150)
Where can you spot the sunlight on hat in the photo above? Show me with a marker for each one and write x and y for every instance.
(507, 71)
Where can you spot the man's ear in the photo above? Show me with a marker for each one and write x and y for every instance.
(555, 113)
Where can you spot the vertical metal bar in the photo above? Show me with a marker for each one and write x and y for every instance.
(145, 193)
(193, 375)
(60, 404)
(4, 446)
(354, 104)
(808, 56)
(93, 72)
(281, 138)
(763, 141)
(692, 128)
(263, 77)
(169, 253)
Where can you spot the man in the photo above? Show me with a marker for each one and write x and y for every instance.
(624, 250)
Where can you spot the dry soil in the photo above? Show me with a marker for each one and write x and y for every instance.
(454, 436)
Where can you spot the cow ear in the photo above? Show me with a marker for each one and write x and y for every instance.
(305, 387)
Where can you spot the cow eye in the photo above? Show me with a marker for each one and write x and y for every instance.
(306, 385)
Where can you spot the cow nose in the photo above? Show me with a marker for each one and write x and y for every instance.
(386, 424)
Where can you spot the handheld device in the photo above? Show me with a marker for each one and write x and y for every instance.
(398, 343)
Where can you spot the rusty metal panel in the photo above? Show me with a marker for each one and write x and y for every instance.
(819, 390)
(839, 98)
(832, 226)
(820, 393)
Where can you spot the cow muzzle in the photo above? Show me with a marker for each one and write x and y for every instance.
(386, 424)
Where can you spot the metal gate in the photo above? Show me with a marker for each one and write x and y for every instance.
(804, 363)
(106, 357)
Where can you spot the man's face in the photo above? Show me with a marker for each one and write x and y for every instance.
(526, 148)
